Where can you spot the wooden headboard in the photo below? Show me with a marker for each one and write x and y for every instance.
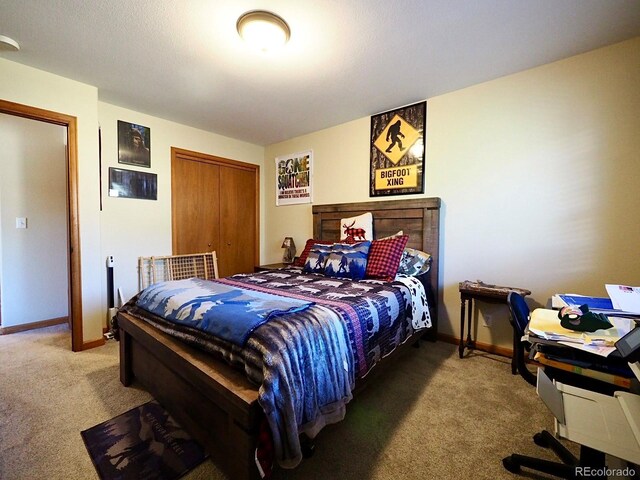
(418, 218)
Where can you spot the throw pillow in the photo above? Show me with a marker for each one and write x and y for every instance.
(300, 261)
(384, 258)
(399, 233)
(414, 262)
(357, 228)
(348, 261)
(317, 258)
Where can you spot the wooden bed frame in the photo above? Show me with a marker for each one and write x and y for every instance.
(420, 219)
(216, 403)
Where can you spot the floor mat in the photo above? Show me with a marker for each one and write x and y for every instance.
(145, 443)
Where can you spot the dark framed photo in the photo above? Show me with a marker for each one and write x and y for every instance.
(131, 184)
(134, 144)
(397, 151)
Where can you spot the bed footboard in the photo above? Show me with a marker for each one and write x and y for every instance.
(216, 404)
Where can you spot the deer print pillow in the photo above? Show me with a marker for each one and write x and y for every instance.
(357, 229)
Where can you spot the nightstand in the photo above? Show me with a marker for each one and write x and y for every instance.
(485, 293)
(271, 266)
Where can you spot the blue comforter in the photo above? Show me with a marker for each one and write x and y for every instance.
(230, 313)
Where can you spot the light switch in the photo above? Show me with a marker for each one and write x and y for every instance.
(21, 222)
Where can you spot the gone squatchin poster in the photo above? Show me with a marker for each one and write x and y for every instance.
(294, 175)
(397, 151)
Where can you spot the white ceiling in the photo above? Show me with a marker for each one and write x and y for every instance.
(183, 60)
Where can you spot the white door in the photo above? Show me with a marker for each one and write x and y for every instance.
(34, 278)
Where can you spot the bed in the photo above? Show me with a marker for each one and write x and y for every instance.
(216, 402)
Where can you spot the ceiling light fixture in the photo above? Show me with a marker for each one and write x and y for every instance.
(8, 44)
(263, 30)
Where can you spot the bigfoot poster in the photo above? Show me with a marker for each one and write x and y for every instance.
(397, 151)
(293, 178)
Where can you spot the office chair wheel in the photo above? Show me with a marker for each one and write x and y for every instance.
(510, 465)
(540, 440)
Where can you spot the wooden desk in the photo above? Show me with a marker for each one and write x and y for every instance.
(486, 293)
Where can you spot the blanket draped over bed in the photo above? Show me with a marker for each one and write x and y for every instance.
(306, 362)
(230, 313)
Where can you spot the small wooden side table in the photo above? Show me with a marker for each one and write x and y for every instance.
(486, 293)
(271, 266)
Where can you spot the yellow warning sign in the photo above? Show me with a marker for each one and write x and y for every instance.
(397, 177)
(396, 139)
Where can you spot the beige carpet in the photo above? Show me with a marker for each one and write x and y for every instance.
(434, 416)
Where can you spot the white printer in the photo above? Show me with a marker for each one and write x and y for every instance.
(609, 424)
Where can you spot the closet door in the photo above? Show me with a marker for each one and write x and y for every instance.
(195, 188)
(238, 220)
(215, 207)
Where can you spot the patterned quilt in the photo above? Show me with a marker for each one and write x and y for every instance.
(375, 312)
(307, 362)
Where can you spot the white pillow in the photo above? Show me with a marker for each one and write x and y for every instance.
(398, 234)
(358, 228)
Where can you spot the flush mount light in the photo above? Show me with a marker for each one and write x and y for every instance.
(8, 44)
(263, 30)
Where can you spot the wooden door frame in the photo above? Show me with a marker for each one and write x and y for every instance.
(73, 238)
(182, 154)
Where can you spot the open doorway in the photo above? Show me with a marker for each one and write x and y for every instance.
(73, 227)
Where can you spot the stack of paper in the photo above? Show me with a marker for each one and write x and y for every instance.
(545, 324)
(624, 298)
(623, 301)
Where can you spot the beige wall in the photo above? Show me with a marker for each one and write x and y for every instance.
(131, 228)
(538, 173)
(29, 86)
(33, 185)
(125, 228)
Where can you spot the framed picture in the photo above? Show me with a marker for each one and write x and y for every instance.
(397, 151)
(134, 144)
(294, 176)
(131, 184)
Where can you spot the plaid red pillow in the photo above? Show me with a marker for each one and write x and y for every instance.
(384, 258)
(299, 262)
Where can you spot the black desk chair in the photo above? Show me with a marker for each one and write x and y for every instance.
(567, 469)
(519, 319)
